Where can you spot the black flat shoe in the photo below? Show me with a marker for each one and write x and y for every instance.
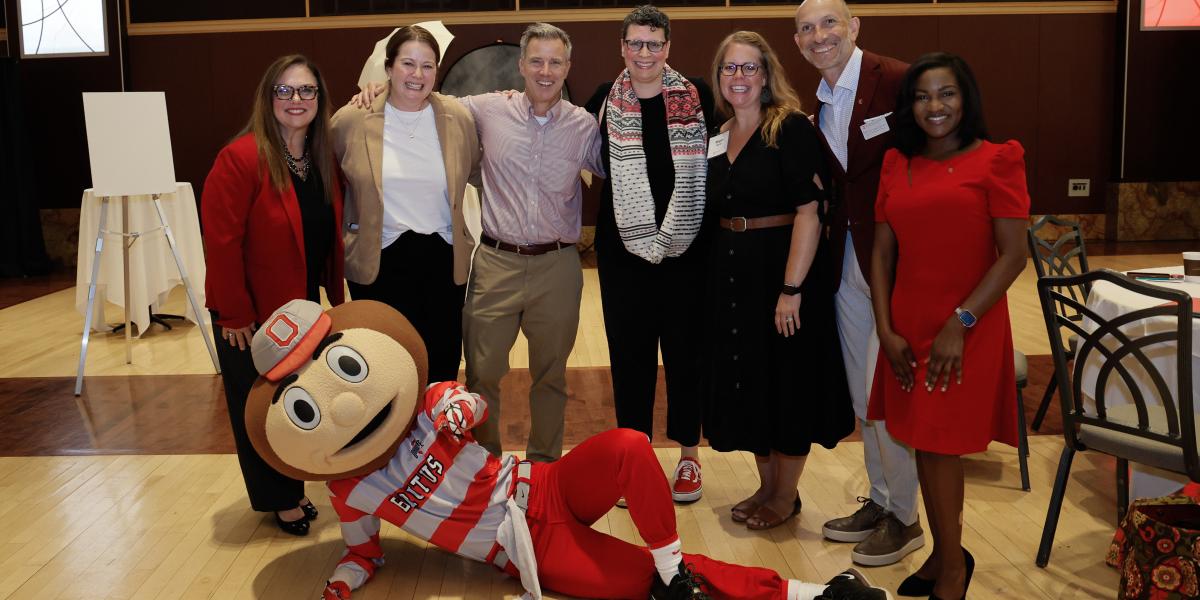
(916, 586)
(970, 560)
(298, 527)
(310, 511)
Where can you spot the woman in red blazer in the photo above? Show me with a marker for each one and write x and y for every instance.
(270, 212)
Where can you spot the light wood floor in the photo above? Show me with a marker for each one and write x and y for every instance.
(159, 527)
(40, 338)
(178, 526)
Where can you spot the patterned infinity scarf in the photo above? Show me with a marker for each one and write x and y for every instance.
(633, 205)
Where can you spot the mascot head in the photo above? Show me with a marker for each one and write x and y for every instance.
(338, 390)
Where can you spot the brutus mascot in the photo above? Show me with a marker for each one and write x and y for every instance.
(343, 399)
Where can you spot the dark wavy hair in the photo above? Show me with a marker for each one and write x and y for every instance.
(909, 138)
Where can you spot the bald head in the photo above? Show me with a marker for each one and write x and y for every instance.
(826, 35)
(810, 7)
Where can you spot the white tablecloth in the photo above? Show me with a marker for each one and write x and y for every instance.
(1109, 301)
(152, 270)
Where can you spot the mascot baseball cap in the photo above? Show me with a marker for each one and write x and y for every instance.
(288, 338)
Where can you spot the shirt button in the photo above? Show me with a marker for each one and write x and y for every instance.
(729, 196)
(735, 357)
(731, 252)
(733, 305)
(730, 280)
(737, 386)
(735, 331)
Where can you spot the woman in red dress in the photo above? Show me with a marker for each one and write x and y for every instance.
(949, 240)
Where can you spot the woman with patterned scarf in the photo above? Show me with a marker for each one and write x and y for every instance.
(649, 245)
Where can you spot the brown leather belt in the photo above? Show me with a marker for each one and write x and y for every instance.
(740, 224)
(522, 249)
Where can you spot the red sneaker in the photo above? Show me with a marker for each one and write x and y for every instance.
(687, 486)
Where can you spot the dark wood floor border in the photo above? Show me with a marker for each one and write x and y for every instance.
(186, 414)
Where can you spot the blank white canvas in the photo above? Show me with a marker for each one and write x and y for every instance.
(129, 143)
(73, 27)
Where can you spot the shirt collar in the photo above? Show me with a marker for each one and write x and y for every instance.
(527, 106)
(848, 80)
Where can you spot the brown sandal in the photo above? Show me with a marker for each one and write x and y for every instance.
(744, 510)
(767, 519)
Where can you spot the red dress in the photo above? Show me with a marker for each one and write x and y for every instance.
(942, 216)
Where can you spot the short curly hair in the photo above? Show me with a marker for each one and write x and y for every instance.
(649, 16)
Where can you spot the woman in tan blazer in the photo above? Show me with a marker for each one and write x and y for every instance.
(406, 160)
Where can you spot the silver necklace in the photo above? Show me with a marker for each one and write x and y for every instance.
(299, 166)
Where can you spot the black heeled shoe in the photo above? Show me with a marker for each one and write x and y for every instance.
(310, 511)
(299, 527)
(915, 586)
(970, 560)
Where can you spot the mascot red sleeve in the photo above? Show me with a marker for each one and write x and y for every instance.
(343, 398)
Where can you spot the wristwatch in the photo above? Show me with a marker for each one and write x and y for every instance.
(965, 317)
(790, 290)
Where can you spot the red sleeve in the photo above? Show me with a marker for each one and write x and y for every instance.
(892, 160)
(1008, 197)
(229, 193)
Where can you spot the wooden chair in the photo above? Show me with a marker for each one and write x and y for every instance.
(1059, 257)
(1161, 434)
(1022, 368)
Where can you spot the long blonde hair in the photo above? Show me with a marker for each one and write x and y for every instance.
(778, 101)
(265, 128)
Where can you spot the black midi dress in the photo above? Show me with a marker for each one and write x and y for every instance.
(765, 392)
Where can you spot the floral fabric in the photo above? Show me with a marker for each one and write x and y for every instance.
(1157, 548)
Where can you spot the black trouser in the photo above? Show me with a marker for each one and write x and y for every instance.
(416, 277)
(269, 490)
(645, 306)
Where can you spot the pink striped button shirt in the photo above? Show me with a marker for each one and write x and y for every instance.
(531, 184)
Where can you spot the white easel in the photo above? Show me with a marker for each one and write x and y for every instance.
(129, 144)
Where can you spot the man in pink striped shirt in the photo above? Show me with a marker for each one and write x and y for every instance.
(526, 274)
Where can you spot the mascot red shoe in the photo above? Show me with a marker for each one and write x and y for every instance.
(343, 399)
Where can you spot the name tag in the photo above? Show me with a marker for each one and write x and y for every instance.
(875, 126)
(718, 144)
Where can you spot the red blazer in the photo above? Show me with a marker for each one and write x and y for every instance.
(855, 187)
(254, 240)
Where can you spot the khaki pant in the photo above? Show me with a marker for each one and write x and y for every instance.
(538, 295)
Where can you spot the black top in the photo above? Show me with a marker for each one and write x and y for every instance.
(769, 181)
(660, 169)
(317, 217)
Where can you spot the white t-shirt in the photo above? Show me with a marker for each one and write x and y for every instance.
(415, 196)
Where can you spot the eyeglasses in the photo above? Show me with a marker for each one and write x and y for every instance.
(748, 69)
(287, 92)
(654, 46)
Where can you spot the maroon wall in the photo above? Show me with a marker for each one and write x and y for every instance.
(1047, 80)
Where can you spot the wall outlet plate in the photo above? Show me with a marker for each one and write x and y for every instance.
(1079, 187)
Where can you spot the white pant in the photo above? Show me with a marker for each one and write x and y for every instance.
(891, 466)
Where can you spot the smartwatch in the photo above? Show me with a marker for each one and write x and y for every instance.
(965, 317)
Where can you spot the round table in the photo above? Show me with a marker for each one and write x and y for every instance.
(1109, 301)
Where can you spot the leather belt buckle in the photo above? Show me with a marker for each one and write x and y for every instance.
(733, 224)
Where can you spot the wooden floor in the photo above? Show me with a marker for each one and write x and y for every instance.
(126, 524)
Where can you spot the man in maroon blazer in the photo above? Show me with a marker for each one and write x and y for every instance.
(857, 94)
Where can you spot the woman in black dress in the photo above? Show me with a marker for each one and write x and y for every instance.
(777, 382)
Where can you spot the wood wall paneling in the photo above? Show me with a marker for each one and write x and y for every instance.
(1075, 101)
(1027, 95)
(359, 7)
(1160, 116)
(157, 11)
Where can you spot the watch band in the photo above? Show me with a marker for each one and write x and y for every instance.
(790, 290)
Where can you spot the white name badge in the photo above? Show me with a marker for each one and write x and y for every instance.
(875, 126)
(718, 144)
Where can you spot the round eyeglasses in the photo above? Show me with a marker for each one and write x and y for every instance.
(654, 46)
(748, 69)
(287, 92)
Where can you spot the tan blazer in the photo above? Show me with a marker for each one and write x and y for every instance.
(358, 143)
